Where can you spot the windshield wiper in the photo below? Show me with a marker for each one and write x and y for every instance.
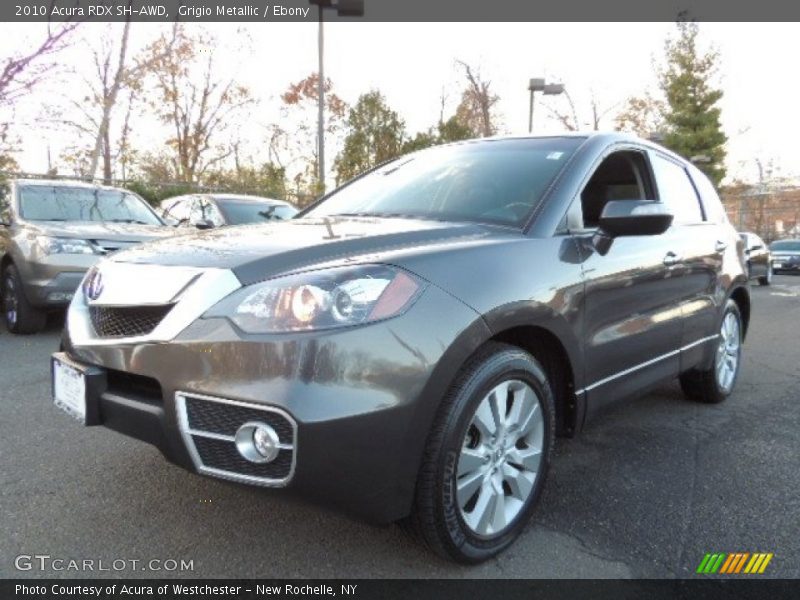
(381, 215)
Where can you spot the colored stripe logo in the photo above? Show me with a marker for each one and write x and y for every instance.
(734, 563)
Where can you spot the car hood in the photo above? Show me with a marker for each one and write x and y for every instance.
(257, 252)
(85, 230)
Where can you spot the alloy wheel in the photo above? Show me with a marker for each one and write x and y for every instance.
(728, 350)
(10, 302)
(500, 457)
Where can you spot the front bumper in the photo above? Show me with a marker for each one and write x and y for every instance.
(361, 400)
(51, 281)
(786, 264)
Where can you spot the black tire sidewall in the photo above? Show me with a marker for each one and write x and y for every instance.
(29, 318)
(9, 273)
(505, 364)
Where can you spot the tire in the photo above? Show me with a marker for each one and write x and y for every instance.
(710, 386)
(20, 316)
(767, 279)
(464, 525)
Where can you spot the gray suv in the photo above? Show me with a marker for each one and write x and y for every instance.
(51, 232)
(411, 345)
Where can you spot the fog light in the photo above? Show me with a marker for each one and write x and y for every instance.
(257, 442)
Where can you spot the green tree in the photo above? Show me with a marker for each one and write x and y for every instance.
(422, 140)
(375, 135)
(267, 180)
(448, 131)
(454, 130)
(692, 116)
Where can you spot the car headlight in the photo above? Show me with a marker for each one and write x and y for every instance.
(57, 245)
(321, 299)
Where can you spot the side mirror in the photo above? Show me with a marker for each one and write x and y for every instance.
(204, 224)
(634, 217)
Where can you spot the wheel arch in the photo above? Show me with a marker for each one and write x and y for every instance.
(548, 349)
(741, 296)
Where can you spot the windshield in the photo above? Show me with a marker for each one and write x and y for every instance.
(498, 181)
(786, 245)
(239, 213)
(63, 203)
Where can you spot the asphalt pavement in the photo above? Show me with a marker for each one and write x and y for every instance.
(645, 491)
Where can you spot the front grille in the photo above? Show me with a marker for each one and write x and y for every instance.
(127, 321)
(209, 425)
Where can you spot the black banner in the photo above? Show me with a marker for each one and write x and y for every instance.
(458, 589)
(270, 11)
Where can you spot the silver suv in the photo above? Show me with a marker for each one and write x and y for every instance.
(51, 232)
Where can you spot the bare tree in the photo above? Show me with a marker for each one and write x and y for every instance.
(296, 136)
(21, 72)
(478, 103)
(568, 117)
(191, 98)
(643, 115)
(116, 77)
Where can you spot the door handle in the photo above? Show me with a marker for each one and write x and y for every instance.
(720, 246)
(672, 259)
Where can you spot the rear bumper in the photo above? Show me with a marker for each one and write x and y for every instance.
(362, 400)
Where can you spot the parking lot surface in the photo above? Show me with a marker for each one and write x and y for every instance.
(645, 491)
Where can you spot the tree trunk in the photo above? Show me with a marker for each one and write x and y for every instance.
(109, 101)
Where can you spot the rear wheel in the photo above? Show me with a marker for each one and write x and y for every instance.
(20, 316)
(767, 279)
(487, 457)
(717, 383)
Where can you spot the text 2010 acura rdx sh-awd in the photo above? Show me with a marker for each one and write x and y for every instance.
(414, 342)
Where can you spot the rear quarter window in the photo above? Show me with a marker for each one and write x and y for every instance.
(675, 189)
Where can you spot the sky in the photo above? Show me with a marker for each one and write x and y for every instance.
(413, 64)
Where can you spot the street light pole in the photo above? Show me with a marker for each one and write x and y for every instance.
(321, 107)
(344, 8)
(537, 84)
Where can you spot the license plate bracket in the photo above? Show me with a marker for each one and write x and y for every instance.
(70, 380)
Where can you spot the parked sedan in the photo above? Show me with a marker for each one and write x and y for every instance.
(51, 232)
(413, 343)
(758, 258)
(786, 255)
(205, 211)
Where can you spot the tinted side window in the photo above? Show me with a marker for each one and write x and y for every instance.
(177, 210)
(622, 175)
(211, 213)
(676, 190)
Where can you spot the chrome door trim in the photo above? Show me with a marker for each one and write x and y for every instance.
(645, 364)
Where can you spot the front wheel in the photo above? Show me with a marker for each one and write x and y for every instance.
(487, 456)
(767, 279)
(716, 384)
(20, 315)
